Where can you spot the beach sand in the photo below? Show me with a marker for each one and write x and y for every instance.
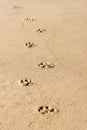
(61, 40)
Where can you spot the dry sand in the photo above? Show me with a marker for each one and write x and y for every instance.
(64, 44)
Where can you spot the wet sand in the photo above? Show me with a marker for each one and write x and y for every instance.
(58, 31)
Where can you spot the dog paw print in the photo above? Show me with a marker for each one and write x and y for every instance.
(46, 65)
(46, 109)
(24, 82)
(29, 44)
(41, 30)
(42, 65)
(16, 7)
(50, 65)
(29, 19)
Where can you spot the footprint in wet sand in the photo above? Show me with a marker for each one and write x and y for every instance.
(29, 44)
(29, 19)
(24, 82)
(41, 30)
(46, 65)
(46, 109)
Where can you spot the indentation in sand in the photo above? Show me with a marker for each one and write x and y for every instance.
(41, 30)
(46, 65)
(29, 19)
(25, 82)
(16, 7)
(29, 44)
(46, 109)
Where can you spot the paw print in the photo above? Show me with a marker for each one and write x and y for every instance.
(29, 44)
(29, 19)
(46, 65)
(47, 109)
(41, 30)
(25, 82)
(50, 65)
(42, 65)
(16, 7)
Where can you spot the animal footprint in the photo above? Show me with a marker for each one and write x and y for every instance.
(41, 30)
(25, 82)
(47, 109)
(50, 65)
(42, 65)
(46, 65)
(29, 44)
(29, 19)
(16, 7)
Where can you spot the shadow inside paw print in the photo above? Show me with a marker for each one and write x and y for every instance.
(46, 65)
(41, 30)
(25, 82)
(29, 44)
(46, 109)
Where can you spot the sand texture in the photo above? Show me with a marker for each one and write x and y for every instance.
(43, 65)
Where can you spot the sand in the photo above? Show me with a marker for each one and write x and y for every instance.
(63, 43)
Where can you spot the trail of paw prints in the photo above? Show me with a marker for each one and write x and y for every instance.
(46, 65)
(46, 109)
(31, 19)
(25, 82)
